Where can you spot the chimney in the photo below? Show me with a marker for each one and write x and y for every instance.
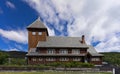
(83, 39)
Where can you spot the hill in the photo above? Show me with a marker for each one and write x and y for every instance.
(15, 54)
(15, 58)
(112, 58)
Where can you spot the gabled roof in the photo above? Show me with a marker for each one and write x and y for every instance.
(93, 51)
(62, 42)
(37, 24)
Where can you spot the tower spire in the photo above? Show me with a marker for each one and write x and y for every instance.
(37, 24)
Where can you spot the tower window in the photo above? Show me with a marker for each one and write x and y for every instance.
(33, 33)
(39, 33)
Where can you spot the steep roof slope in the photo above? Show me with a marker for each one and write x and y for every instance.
(37, 24)
(93, 51)
(63, 42)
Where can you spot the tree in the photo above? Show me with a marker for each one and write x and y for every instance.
(3, 58)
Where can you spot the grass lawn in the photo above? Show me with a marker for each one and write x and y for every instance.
(77, 72)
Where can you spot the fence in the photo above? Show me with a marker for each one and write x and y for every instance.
(55, 69)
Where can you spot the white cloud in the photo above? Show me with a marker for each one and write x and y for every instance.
(112, 44)
(51, 32)
(10, 5)
(19, 36)
(13, 49)
(18, 46)
(96, 18)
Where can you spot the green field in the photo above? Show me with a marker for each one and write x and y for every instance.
(54, 72)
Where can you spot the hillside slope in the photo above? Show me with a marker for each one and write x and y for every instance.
(112, 58)
(15, 54)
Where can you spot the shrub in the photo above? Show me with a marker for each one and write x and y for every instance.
(17, 61)
(87, 65)
(69, 64)
(3, 58)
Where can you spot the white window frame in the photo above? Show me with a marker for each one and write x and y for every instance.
(64, 59)
(39, 33)
(50, 59)
(33, 33)
(76, 59)
(40, 59)
(75, 51)
(50, 51)
(63, 51)
(34, 59)
(95, 59)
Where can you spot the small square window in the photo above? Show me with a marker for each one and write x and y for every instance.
(39, 33)
(33, 33)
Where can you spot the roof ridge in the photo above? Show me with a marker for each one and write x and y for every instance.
(37, 24)
(64, 36)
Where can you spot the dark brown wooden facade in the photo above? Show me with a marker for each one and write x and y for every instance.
(43, 55)
(33, 39)
(43, 59)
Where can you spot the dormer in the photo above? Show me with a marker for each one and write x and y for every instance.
(37, 31)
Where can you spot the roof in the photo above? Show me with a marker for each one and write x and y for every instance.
(32, 50)
(93, 51)
(37, 24)
(62, 42)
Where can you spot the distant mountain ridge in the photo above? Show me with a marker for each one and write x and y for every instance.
(15, 54)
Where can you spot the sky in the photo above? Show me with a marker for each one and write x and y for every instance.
(98, 20)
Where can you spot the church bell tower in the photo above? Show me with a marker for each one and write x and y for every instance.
(37, 31)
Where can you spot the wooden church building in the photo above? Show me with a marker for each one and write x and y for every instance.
(43, 49)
